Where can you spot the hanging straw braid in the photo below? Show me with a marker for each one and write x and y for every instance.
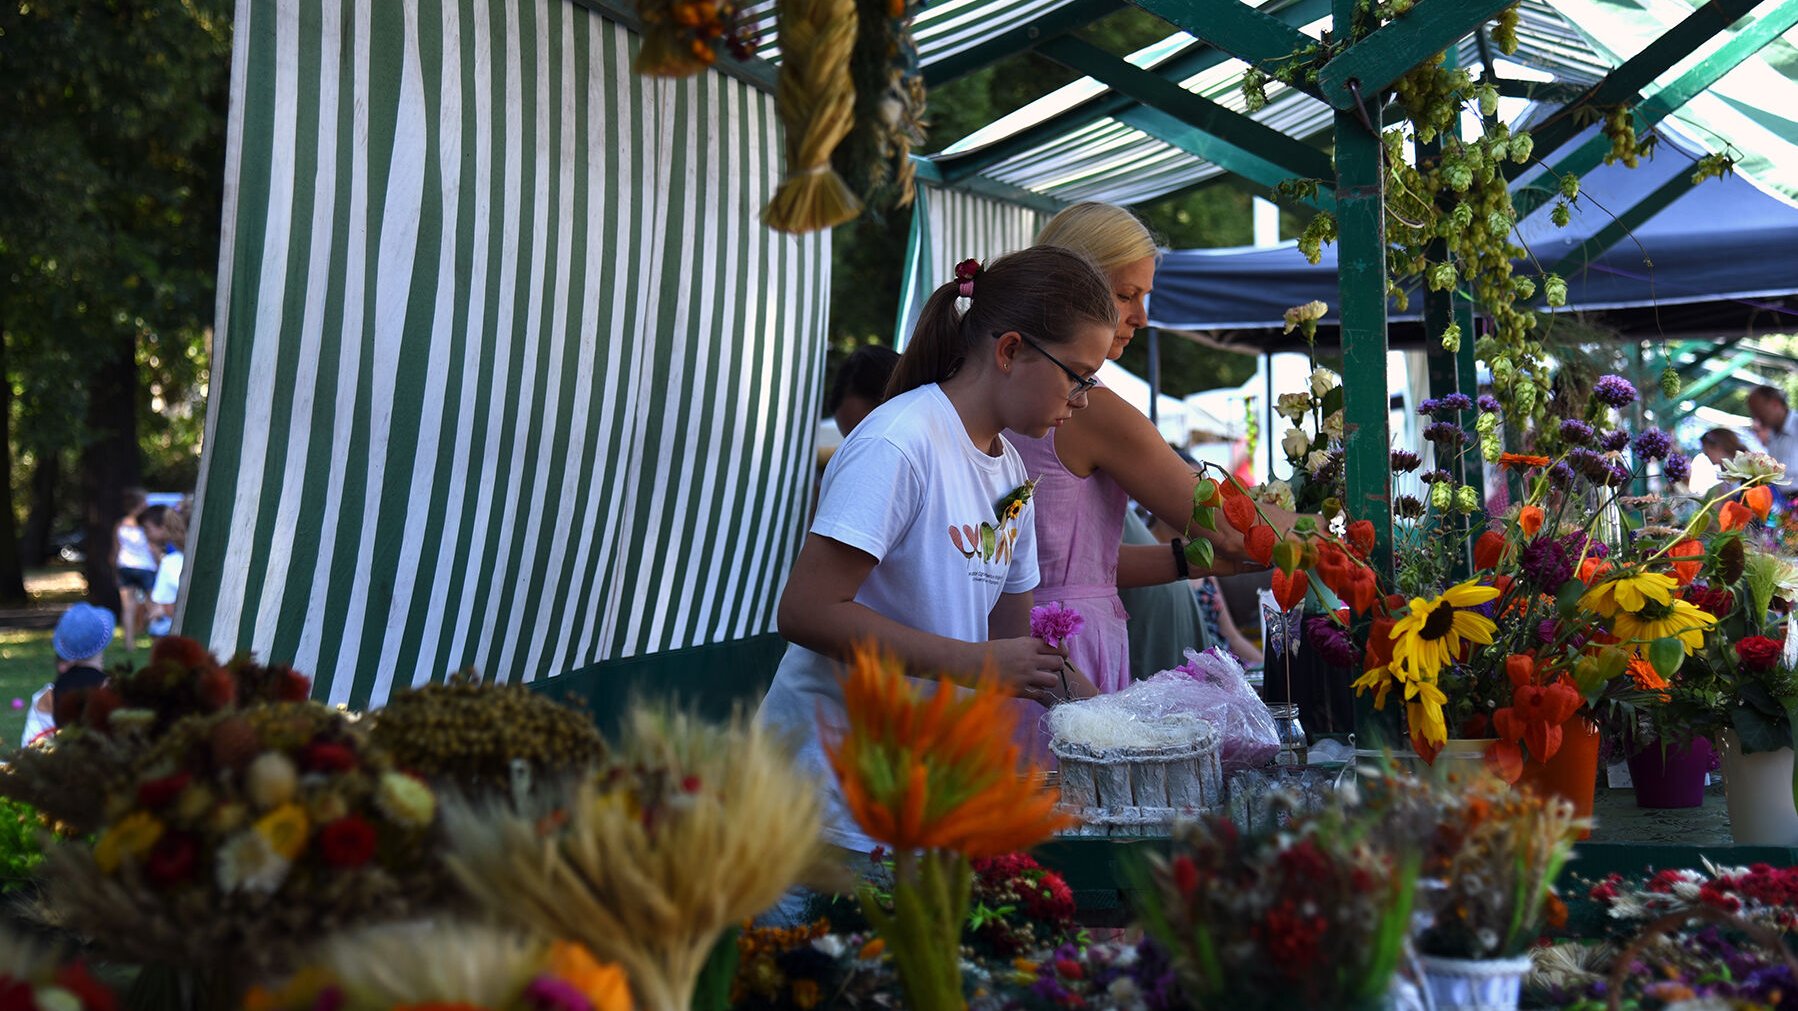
(815, 98)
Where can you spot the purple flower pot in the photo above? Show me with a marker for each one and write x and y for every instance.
(1673, 777)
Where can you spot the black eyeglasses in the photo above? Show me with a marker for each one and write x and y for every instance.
(1082, 384)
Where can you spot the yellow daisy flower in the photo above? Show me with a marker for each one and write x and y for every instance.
(132, 836)
(1630, 592)
(284, 829)
(1432, 635)
(1682, 620)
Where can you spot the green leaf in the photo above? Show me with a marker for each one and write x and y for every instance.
(1205, 517)
(1199, 553)
(1332, 401)
(1760, 732)
(1567, 598)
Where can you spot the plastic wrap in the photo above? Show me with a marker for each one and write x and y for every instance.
(1212, 686)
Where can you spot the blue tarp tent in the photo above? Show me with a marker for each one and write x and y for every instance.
(1724, 243)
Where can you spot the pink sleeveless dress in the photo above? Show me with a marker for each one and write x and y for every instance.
(1079, 525)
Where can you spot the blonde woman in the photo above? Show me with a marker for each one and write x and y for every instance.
(1089, 468)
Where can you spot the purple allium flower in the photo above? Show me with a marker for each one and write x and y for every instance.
(1445, 432)
(1455, 402)
(1489, 404)
(1429, 407)
(1597, 549)
(1330, 644)
(1404, 461)
(1561, 475)
(1435, 476)
(1055, 624)
(1652, 444)
(1545, 563)
(1576, 432)
(1618, 475)
(1591, 465)
(1615, 391)
(1613, 440)
(1676, 468)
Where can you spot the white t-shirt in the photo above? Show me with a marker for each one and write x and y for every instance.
(168, 578)
(1782, 445)
(910, 488)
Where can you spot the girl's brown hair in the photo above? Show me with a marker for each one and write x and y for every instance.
(1046, 292)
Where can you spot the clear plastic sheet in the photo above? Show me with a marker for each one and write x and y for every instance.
(1212, 686)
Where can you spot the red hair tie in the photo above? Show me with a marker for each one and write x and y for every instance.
(965, 271)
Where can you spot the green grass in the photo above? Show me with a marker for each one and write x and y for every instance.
(27, 663)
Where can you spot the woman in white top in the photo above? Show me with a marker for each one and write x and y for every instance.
(910, 547)
(134, 562)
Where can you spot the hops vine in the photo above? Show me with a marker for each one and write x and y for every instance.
(875, 159)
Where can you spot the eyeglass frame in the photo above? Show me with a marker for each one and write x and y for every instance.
(1083, 385)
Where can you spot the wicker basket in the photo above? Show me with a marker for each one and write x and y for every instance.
(1140, 791)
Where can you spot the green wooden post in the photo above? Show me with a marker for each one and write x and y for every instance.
(1361, 258)
(1468, 371)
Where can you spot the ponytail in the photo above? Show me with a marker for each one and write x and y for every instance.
(1045, 291)
(936, 348)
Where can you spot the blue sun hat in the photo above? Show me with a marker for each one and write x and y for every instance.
(82, 632)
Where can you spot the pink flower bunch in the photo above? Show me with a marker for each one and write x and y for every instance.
(1055, 624)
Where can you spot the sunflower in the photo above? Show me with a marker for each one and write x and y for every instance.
(1423, 711)
(1435, 631)
(1629, 592)
(1680, 620)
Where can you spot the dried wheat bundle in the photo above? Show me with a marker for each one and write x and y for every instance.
(695, 827)
(815, 98)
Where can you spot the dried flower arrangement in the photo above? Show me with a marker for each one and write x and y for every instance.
(486, 736)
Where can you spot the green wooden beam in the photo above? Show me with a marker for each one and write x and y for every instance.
(1625, 83)
(1027, 35)
(981, 185)
(1391, 51)
(1236, 28)
(1722, 375)
(1704, 352)
(1198, 57)
(1195, 123)
(1666, 101)
(1539, 91)
(1174, 131)
(1638, 214)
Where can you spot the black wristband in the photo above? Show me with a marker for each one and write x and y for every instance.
(1181, 569)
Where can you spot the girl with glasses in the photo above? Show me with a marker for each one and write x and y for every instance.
(924, 539)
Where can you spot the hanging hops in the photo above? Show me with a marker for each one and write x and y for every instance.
(815, 98)
(875, 159)
(681, 37)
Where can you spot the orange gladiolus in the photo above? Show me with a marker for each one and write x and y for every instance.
(1734, 516)
(1760, 499)
(1530, 519)
(936, 772)
(1685, 572)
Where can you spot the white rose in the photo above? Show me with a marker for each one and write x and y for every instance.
(1293, 406)
(1315, 462)
(1295, 443)
(1323, 381)
(1333, 426)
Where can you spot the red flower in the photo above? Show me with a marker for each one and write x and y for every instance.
(217, 688)
(1186, 875)
(93, 994)
(16, 995)
(324, 756)
(171, 860)
(1711, 599)
(347, 842)
(1759, 653)
(292, 686)
(1489, 550)
(157, 793)
(1535, 716)
(180, 651)
(1048, 898)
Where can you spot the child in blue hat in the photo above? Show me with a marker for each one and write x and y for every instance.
(82, 635)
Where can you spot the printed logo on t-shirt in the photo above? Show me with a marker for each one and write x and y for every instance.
(991, 544)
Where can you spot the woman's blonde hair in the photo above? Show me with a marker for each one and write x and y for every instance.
(1109, 236)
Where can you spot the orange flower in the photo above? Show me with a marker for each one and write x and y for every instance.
(1489, 550)
(1591, 569)
(1734, 516)
(1522, 460)
(1530, 519)
(1685, 572)
(604, 985)
(1760, 499)
(939, 772)
(1645, 676)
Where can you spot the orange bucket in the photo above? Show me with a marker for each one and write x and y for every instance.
(1573, 771)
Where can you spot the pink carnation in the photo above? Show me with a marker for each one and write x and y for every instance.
(1055, 624)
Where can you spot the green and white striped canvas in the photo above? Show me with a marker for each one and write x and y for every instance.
(947, 227)
(509, 373)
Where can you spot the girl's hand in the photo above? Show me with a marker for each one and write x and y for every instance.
(1028, 668)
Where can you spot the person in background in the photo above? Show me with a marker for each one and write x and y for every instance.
(924, 541)
(1719, 444)
(134, 561)
(860, 385)
(1090, 468)
(80, 640)
(168, 532)
(1777, 429)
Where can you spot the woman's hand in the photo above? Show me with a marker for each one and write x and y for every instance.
(1079, 685)
(1028, 668)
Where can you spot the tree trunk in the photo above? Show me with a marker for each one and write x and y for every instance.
(109, 463)
(12, 574)
(40, 517)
